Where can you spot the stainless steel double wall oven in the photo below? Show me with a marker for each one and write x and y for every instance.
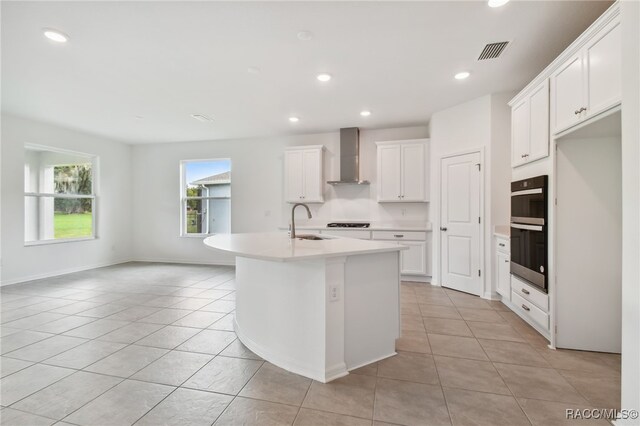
(529, 240)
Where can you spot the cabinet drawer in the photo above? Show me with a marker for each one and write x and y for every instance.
(400, 235)
(530, 294)
(530, 310)
(361, 235)
(502, 245)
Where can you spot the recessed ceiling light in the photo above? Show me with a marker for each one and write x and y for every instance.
(201, 117)
(305, 35)
(462, 75)
(497, 3)
(55, 35)
(294, 119)
(324, 77)
(139, 117)
(253, 70)
(365, 113)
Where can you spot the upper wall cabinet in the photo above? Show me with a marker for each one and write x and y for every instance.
(303, 178)
(402, 171)
(581, 83)
(589, 82)
(530, 126)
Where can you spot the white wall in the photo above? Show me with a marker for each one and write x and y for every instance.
(256, 190)
(630, 11)
(113, 244)
(481, 124)
(588, 182)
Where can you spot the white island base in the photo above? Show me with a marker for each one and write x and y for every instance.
(316, 308)
(302, 317)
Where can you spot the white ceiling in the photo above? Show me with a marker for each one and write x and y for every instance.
(166, 60)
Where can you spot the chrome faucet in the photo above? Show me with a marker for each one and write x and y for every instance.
(293, 217)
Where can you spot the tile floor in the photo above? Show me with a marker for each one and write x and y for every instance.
(153, 344)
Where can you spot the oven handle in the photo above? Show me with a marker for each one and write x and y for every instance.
(527, 192)
(527, 227)
(527, 220)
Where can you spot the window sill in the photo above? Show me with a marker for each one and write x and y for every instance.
(60, 241)
(195, 235)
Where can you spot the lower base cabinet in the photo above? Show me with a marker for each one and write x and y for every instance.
(503, 269)
(414, 260)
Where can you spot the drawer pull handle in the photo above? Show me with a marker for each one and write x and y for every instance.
(526, 308)
(398, 235)
(506, 261)
(501, 244)
(525, 291)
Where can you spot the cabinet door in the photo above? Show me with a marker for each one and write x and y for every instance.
(412, 172)
(503, 275)
(539, 122)
(389, 187)
(603, 57)
(567, 93)
(519, 132)
(413, 261)
(312, 175)
(293, 179)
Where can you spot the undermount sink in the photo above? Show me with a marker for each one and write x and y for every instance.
(309, 237)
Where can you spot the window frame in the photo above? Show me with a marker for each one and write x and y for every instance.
(95, 165)
(184, 198)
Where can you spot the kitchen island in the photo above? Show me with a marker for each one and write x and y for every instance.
(318, 308)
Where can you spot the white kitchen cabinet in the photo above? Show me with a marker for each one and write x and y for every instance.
(589, 82)
(603, 62)
(389, 187)
(303, 174)
(413, 261)
(402, 171)
(504, 275)
(567, 96)
(530, 126)
(503, 267)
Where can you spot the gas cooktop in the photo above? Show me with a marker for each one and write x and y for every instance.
(348, 225)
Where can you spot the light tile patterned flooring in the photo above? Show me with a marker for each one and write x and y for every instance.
(153, 344)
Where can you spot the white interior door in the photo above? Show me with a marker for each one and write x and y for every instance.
(459, 223)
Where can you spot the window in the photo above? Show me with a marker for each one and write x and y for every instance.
(59, 195)
(205, 201)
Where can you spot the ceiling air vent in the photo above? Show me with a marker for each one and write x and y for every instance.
(492, 50)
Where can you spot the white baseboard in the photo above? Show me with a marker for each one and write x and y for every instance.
(184, 261)
(102, 265)
(416, 278)
(61, 272)
(492, 296)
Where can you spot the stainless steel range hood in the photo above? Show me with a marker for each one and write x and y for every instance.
(349, 158)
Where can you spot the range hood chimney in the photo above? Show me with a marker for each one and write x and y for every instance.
(349, 158)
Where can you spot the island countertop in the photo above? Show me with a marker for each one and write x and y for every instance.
(277, 246)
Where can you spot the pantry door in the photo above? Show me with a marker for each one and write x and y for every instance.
(460, 223)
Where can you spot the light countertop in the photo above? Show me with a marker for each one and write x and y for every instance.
(375, 226)
(277, 246)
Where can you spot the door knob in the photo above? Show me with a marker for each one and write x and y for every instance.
(443, 228)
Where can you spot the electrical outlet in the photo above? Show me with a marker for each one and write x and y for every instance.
(334, 293)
